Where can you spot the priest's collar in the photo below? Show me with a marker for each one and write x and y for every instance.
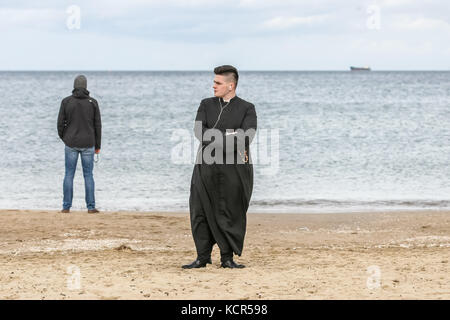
(222, 100)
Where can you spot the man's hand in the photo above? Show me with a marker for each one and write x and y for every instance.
(97, 151)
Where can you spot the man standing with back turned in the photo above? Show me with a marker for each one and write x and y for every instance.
(222, 180)
(80, 127)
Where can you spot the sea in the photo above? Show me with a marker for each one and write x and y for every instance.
(336, 141)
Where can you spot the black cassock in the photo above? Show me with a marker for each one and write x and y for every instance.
(220, 192)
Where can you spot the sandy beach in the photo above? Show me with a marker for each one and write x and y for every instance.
(138, 255)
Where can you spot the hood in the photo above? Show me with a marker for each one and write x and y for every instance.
(80, 93)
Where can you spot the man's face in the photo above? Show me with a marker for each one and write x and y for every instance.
(222, 85)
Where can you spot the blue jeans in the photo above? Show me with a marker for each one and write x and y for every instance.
(87, 162)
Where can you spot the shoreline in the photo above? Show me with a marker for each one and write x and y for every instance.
(250, 212)
(138, 255)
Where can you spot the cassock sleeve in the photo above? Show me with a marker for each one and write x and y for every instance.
(200, 124)
(246, 131)
(250, 121)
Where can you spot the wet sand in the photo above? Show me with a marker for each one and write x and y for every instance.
(138, 255)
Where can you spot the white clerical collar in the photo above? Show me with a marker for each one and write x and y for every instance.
(226, 101)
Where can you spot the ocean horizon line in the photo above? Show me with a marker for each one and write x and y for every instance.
(241, 70)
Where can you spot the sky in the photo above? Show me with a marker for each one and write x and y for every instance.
(201, 34)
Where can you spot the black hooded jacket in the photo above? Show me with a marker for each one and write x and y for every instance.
(79, 122)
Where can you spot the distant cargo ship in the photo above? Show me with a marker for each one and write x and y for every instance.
(359, 68)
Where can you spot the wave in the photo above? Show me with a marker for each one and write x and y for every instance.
(257, 205)
(352, 204)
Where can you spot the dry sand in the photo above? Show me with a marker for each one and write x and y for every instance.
(137, 255)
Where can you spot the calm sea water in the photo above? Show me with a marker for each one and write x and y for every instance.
(327, 141)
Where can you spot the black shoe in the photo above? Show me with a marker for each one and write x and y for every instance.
(231, 264)
(197, 264)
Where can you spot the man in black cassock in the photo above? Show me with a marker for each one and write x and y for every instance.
(222, 181)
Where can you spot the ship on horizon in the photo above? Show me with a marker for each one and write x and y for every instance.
(359, 68)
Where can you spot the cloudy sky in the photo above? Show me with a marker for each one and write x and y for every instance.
(200, 34)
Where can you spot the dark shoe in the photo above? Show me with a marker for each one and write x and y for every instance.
(65, 211)
(196, 264)
(93, 211)
(231, 264)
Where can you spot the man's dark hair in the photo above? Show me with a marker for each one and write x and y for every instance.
(227, 70)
